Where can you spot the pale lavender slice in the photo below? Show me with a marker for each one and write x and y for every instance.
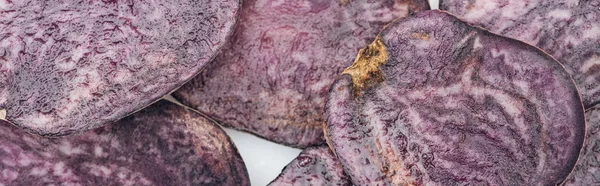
(314, 166)
(587, 169)
(453, 104)
(568, 30)
(70, 66)
(163, 144)
(273, 77)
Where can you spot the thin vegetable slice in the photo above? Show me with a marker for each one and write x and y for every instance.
(435, 101)
(587, 169)
(273, 77)
(567, 30)
(70, 66)
(164, 144)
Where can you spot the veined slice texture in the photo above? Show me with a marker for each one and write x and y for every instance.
(74, 65)
(272, 78)
(587, 169)
(435, 101)
(164, 144)
(568, 30)
(314, 166)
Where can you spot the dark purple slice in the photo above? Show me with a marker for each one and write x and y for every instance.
(314, 166)
(587, 169)
(435, 101)
(70, 66)
(568, 30)
(163, 144)
(273, 77)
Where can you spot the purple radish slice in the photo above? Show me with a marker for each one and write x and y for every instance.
(435, 101)
(71, 66)
(272, 78)
(314, 166)
(163, 144)
(567, 30)
(587, 169)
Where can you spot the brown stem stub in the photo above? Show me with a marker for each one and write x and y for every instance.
(365, 69)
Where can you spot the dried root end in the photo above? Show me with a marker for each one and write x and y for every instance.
(365, 70)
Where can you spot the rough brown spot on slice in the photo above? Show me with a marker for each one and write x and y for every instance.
(365, 69)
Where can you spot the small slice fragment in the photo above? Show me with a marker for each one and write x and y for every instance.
(164, 144)
(566, 29)
(587, 169)
(455, 105)
(314, 166)
(273, 77)
(70, 66)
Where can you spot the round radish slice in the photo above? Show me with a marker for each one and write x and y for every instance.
(587, 169)
(273, 77)
(314, 166)
(568, 30)
(435, 101)
(70, 66)
(164, 144)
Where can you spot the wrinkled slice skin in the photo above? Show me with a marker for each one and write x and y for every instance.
(272, 78)
(568, 30)
(587, 169)
(314, 166)
(71, 66)
(161, 145)
(457, 106)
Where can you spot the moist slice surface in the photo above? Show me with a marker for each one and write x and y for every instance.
(163, 144)
(70, 66)
(568, 30)
(435, 101)
(272, 78)
(314, 166)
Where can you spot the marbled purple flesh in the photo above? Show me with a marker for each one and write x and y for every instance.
(457, 105)
(568, 30)
(70, 66)
(163, 144)
(314, 166)
(272, 78)
(587, 169)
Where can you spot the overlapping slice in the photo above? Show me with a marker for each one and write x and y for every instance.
(273, 77)
(435, 101)
(568, 30)
(314, 166)
(587, 169)
(164, 144)
(70, 66)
